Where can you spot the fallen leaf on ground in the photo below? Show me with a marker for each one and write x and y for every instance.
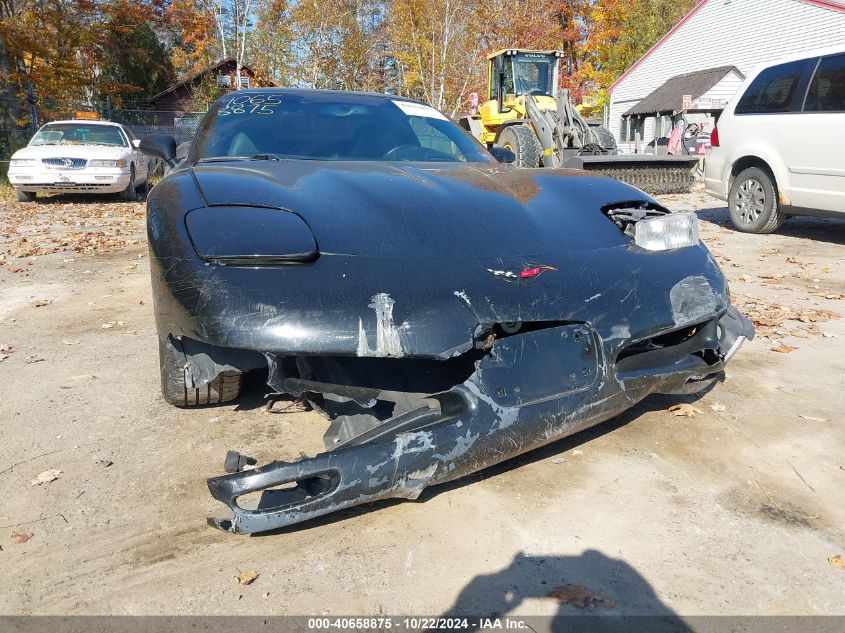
(837, 561)
(18, 538)
(39, 303)
(245, 577)
(717, 407)
(46, 477)
(70, 341)
(784, 349)
(793, 260)
(577, 452)
(684, 410)
(812, 418)
(580, 597)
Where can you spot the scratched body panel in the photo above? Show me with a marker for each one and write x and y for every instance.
(444, 317)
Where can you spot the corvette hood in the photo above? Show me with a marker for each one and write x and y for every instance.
(414, 210)
(414, 257)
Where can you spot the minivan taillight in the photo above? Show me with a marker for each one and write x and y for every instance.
(714, 137)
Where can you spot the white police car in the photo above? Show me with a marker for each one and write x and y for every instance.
(81, 156)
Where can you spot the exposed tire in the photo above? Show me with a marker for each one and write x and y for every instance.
(521, 140)
(753, 202)
(130, 194)
(25, 196)
(605, 138)
(225, 387)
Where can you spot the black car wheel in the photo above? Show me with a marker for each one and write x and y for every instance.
(130, 194)
(225, 387)
(753, 202)
(520, 139)
(25, 196)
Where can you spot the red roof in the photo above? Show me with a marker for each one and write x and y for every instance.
(826, 4)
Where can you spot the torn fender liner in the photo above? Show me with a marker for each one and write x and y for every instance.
(530, 389)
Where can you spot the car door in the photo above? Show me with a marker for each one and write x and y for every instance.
(813, 141)
(141, 162)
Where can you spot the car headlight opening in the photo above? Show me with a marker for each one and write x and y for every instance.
(671, 231)
(23, 162)
(250, 236)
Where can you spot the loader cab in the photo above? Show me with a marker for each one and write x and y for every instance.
(512, 73)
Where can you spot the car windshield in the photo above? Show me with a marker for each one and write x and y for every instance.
(330, 126)
(78, 134)
(535, 73)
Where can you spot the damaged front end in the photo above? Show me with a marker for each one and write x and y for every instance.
(444, 319)
(399, 425)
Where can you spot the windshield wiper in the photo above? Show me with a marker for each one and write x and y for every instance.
(224, 159)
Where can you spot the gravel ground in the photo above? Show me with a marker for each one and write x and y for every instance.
(739, 509)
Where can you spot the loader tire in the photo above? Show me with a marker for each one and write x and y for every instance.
(605, 138)
(226, 386)
(661, 180)
(521, 140)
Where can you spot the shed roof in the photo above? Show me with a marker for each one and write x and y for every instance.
(229, 61)
(669, 97)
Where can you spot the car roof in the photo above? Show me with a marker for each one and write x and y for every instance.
(86, 122)
(810, 54)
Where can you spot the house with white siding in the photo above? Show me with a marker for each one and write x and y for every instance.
(697, 67)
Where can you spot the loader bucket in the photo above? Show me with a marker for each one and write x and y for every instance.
(652, 174)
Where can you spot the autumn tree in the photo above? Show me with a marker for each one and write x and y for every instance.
(132, 62)
(338, 44)
(189, 29)
(437, 51)
(270, 48)
(623, 30)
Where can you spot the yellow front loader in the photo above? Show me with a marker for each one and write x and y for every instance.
(527, 114)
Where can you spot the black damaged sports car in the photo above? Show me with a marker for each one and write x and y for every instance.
(444, 310)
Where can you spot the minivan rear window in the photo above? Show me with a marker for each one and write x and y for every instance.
(827, 92)
(773, 90)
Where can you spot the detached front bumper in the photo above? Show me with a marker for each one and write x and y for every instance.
(96, 180)
(530, 389)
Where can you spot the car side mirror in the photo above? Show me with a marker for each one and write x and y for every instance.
(161, 146)
(135, 143)
(502, 154)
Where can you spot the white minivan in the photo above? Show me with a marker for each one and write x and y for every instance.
(778, 148)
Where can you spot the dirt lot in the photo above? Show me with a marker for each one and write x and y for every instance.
(733, 511)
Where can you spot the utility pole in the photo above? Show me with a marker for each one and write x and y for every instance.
(33, 113)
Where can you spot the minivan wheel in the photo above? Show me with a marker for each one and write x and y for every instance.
(753, 202)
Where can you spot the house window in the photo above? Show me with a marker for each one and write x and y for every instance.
(664, 126)
(631, 126)
(224, 81)
(244, 82)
